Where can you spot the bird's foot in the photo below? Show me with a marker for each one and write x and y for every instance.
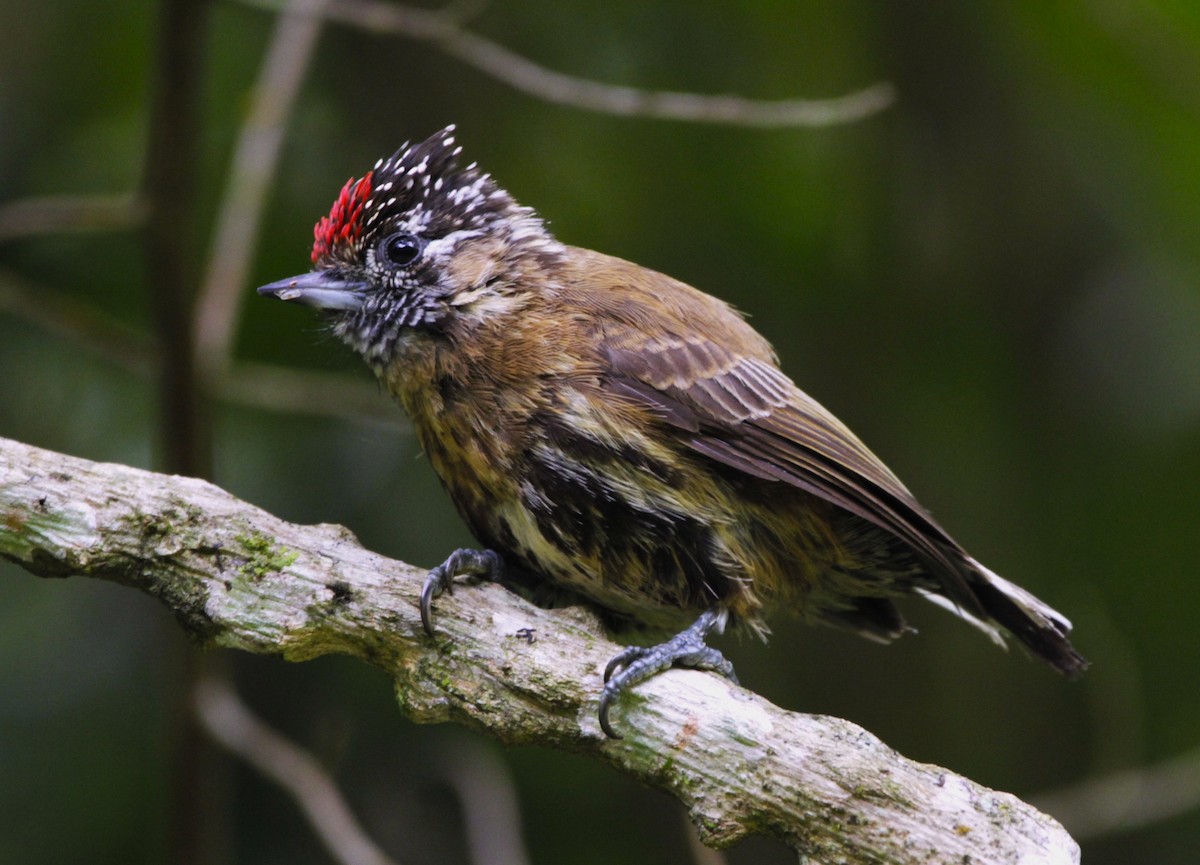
(474, 563)
(685, 649)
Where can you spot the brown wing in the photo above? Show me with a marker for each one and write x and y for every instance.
(740, 410)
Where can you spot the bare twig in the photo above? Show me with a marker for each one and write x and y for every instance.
(59, 214)
(253, 169)
(463, 11)
(80, 323)
(556, 87)
(308, 392)
(255, 385)
(234, 726)
(1130, 799)
(528, 77)
(485, 791)
(238, 577)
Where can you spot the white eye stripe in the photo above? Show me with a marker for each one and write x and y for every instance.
(445, 245)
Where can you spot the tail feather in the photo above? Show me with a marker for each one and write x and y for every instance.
(1042, 629)
(946, 604)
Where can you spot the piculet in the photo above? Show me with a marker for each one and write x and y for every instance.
(610, 431)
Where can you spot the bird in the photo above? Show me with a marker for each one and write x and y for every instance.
(610, 432)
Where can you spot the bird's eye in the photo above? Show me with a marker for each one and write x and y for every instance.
(401, 249)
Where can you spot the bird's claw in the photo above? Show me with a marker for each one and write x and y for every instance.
(685, 649)
(476, 563)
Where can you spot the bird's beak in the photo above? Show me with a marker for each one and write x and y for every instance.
(320, 289)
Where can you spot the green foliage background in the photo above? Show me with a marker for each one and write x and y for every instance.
(994, 282)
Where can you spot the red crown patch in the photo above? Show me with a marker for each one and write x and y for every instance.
(343, 225)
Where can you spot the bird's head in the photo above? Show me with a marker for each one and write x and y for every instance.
(414, 243)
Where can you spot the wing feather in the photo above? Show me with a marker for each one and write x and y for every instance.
(695, 365)
(744, 413)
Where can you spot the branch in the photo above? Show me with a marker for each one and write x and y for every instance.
(1129, 799)
(238, 577)
(488, 799)
(263, 386)
(230, 723)
(82, 324)
(477, 776)
(444, 29)
(250, 177)
(309, 393)
(59, 214)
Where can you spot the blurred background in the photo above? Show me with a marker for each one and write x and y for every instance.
(994, 278)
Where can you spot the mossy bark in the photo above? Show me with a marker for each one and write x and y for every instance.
(237, 577)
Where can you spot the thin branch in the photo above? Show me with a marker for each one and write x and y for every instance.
(309, 393)
(462, 11)
(1130, 799)
(255, 385)
(250, 178)
(488, 798)
(238, 577)
(59, 214)
(559, 88)
(528, 77)
(79, 323)
(228, 721)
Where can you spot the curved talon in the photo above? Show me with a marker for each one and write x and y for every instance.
(686, 649)
(622, 659)
(606, 697)
(435, 584)
(478, 563)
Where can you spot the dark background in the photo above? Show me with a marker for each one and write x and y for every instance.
(994, 282)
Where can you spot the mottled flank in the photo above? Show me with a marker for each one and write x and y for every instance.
(613, 431)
